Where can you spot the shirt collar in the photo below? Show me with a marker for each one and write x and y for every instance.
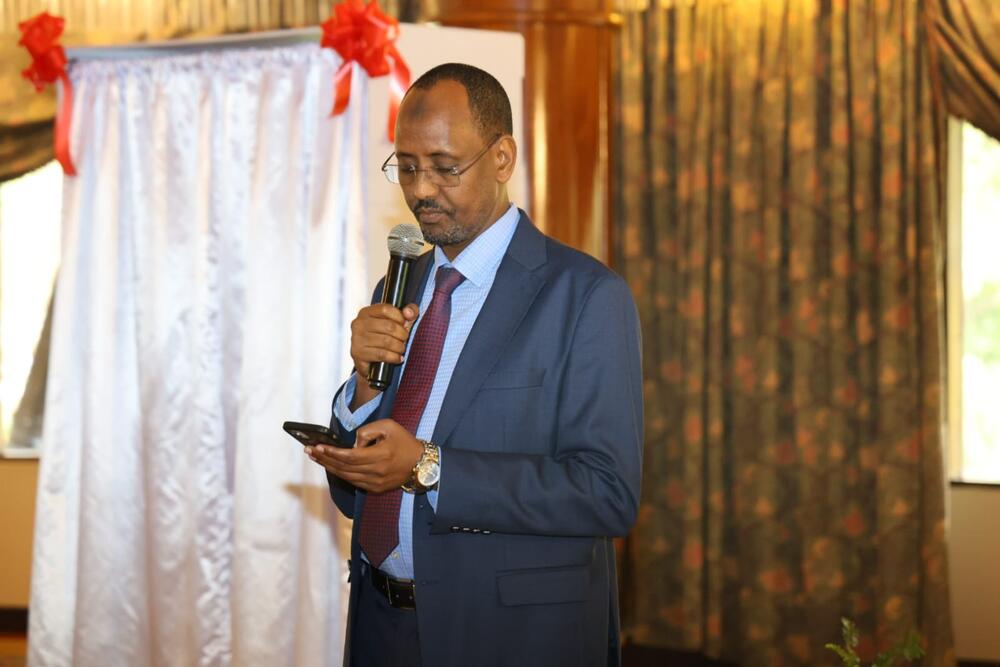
(480, 259)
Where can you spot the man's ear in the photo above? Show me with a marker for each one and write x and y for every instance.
(505, 154)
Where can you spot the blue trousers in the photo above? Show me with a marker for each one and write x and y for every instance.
(383, 636)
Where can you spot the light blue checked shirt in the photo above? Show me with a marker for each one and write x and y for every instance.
(478, 263)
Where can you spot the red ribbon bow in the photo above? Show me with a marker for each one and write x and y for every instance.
(366, 35)
(39, 35)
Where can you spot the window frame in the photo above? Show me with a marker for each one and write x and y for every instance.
(11, 448)
(954, 329)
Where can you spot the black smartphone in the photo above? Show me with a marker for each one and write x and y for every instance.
(313, 434)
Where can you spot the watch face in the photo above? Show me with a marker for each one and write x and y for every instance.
(428, 473)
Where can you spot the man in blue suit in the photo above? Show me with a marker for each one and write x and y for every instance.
(517, 435)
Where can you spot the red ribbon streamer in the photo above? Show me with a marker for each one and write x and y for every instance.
(366, 35)
(40, 36)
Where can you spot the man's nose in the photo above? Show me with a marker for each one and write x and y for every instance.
(424, 185)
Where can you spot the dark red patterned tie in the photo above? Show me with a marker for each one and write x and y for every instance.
(380, 516)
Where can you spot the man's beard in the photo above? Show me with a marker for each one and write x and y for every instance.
(449, 232)
(447, 235)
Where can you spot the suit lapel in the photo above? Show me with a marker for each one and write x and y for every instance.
(514, 290)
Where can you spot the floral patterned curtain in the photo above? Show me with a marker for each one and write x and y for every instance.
(780, 222)
(964, 37)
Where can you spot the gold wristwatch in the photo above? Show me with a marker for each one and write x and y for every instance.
(427, 472)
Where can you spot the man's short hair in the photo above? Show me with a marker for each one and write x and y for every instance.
(488, 100)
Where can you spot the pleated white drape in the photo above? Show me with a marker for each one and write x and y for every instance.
(212, 260)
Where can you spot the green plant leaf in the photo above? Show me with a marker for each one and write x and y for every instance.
(886, 659)
(850, 632)
(909, 648)
(848, 658)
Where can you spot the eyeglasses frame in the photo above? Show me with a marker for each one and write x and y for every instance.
(453, 171)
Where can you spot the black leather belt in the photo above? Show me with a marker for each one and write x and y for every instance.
(399, 592)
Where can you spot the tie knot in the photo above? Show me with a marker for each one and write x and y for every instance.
(447, 280)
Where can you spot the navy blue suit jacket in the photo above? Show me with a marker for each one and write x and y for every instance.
(541, 437)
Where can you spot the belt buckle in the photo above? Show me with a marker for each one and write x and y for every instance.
(394, 599)
(391, 593)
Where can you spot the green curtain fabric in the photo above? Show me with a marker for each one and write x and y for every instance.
(24, 148)
(964, 38)
(26, 427)
(25, 116)
(780, 223)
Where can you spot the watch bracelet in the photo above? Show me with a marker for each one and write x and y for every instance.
(430, 451)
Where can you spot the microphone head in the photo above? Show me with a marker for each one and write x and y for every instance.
(405, 241)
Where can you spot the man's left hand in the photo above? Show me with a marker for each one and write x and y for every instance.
(381, 460)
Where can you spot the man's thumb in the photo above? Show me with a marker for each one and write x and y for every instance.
(410, 313)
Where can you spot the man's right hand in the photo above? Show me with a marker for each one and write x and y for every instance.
(378, 333)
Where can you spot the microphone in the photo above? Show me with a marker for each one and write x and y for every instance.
(405, 244)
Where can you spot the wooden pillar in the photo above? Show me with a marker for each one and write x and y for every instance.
(570, 60)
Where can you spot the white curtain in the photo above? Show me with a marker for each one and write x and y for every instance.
(213, 257)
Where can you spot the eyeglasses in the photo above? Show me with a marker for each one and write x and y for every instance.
(445, 177)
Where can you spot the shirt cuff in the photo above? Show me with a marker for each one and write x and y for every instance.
(350, 421)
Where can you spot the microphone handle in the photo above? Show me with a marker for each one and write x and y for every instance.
(396, 277)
